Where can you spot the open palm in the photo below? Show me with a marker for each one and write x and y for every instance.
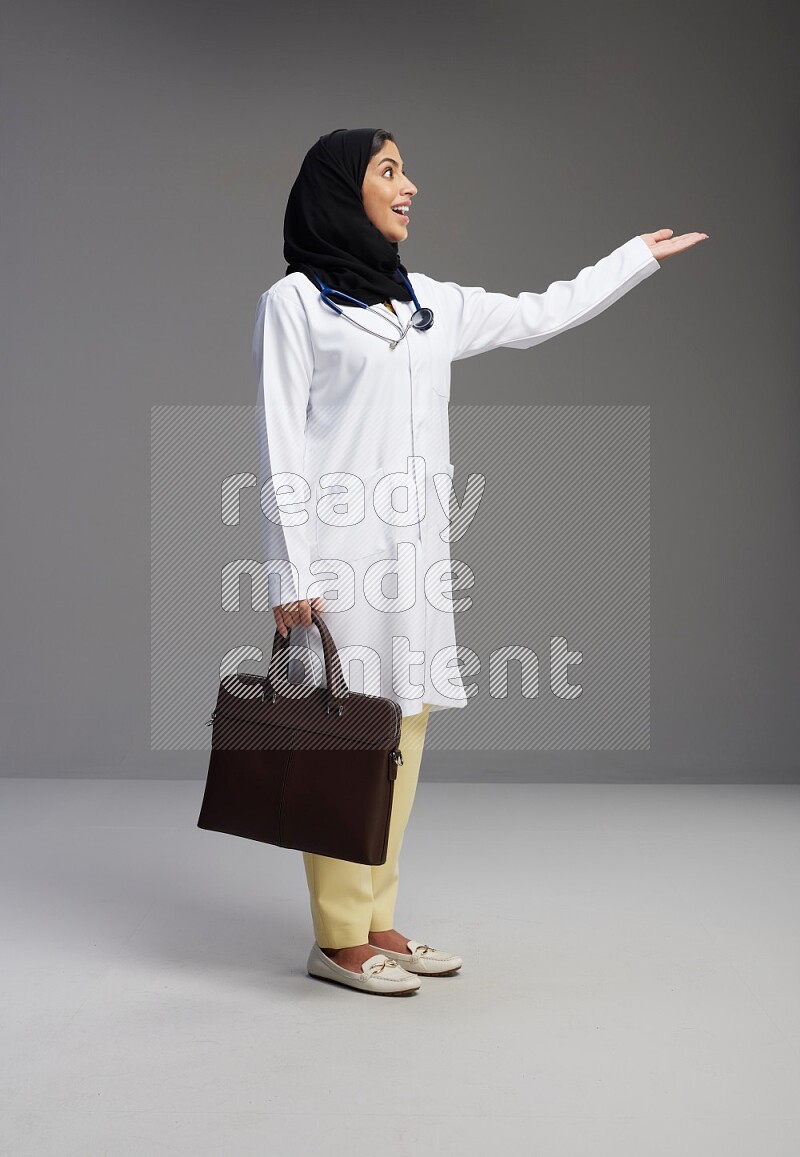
(662, 244)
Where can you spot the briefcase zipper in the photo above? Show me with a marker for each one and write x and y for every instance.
(396, 753)
(398, 712)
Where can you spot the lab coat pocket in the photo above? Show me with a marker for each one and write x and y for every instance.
(440, 383)
(440, 402)
(347, 525)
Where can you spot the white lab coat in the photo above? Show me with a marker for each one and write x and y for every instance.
(338, 411)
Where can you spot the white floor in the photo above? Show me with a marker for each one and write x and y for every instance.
(630, 984)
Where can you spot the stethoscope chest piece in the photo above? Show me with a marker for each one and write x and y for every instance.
(424, 315)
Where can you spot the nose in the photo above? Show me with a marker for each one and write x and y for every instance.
(409, 189)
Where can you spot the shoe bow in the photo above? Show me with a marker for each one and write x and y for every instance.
(381, 964)
(421, 949)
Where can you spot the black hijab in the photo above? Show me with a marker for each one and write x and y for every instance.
(326, 230)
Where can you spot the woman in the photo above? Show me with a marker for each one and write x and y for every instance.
(354, 384)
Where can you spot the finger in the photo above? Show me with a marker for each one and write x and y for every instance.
(686, 241)
(281, 622)
(291, 615)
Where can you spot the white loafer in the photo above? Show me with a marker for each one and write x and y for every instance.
(424, 959)
(378, 974)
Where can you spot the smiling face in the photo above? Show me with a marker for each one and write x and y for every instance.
(385, 188)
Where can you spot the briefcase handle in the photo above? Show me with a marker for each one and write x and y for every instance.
(337, 689)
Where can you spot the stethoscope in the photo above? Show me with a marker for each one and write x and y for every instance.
(421, 318)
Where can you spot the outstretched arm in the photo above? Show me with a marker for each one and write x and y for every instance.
(484, 321)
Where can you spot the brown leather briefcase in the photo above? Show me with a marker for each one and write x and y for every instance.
(307, 769)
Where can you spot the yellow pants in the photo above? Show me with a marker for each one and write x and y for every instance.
(349, 900)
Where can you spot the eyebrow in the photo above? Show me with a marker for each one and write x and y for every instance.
(391, 161)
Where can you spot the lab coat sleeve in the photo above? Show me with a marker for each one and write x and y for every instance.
(486, 321)
(283, 356)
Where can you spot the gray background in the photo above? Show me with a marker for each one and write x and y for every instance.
(147, 154)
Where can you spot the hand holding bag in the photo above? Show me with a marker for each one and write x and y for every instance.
(312, 770)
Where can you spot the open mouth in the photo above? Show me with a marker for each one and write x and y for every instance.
(400, 211)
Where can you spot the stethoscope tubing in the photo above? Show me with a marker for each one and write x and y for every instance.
(325, 291)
